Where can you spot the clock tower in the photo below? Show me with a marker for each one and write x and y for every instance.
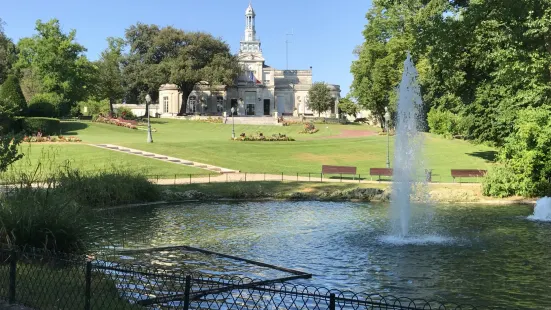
(250, 51)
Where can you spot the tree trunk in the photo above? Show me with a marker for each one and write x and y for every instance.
(186, 91)
(111, 110)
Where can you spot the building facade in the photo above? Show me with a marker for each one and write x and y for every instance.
(261, 91)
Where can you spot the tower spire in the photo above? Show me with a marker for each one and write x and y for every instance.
(250, 42)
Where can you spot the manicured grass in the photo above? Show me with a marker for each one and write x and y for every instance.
(48, 158)
(40, 286)
(211, 144)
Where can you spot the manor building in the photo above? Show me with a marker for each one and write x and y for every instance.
(261, 91)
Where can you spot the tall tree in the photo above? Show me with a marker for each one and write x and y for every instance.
(170, 55)
(348, 107)
(141, 64)
(7, 54)
(320, 99)
(56, 62)
(110, 78)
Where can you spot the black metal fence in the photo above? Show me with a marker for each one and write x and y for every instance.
(43, 280)
(192, 178)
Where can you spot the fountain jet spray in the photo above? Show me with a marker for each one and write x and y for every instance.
(407, 149)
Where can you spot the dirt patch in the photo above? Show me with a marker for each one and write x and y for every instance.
(353, 134)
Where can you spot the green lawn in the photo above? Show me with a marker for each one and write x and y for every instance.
(48, 158)
(210, 143)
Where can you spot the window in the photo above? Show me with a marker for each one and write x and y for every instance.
(220, 104)
(165, 104)
(192, 102)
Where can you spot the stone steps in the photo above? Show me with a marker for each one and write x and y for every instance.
(165, 158)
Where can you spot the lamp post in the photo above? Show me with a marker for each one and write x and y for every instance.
(149, 136)
(387, 121)
(233, 123)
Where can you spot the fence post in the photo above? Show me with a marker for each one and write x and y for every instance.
(13, 272)
(190, 178)
(245, 177)
(332, 303)
(174, 179)
(187, 290)
(88, 292)
(321, 177)
(297, 176)
(282, 177)
(359, 178)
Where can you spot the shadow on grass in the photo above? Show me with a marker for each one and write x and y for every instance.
(71, 128)
(489, 156)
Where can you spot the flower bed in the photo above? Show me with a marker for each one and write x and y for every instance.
(40, 138)
(117, 121)
(309, 128)
(262, 137)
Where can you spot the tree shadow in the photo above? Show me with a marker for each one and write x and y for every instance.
(72, 128)
(489, 156)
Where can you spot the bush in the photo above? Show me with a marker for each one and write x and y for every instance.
(45, 105)
(500, 182)
(47, 126)
(94, 107)
(12, 101)
(36, 217)
(525, 158)
(106, 188)
(447, 124)
(125, 113)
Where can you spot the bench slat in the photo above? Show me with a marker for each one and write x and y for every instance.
(456, 173)
(326, 169)
(387, 172)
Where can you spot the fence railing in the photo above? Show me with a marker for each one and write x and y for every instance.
(43, 280)
(292, 176)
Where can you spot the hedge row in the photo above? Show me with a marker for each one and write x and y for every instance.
(33, 125)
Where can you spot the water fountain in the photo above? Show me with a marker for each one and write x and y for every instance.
(542, 211)
(407, 152)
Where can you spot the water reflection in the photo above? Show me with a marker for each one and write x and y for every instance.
(493, 255)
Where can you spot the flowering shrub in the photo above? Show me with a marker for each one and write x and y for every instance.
(214, 120)
(132, 124)
(261, 137)
(40, 138)
(309, 128)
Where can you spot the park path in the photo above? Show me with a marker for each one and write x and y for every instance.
(164, 158)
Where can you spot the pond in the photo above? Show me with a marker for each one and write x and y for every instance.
(482, 255)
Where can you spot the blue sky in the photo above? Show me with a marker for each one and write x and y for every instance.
(325, 32)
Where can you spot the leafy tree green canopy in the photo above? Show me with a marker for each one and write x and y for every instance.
(109, 77)
(54, 61)
(348, 107)
(320, 99)
(169, 55)
(7, 54)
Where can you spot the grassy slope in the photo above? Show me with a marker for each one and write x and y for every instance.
(210, 143)
(50, 157)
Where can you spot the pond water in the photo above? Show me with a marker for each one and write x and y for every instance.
(482, 255)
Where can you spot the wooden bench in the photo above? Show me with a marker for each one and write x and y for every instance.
(326, 169)
(385, 172)
(467, 173)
